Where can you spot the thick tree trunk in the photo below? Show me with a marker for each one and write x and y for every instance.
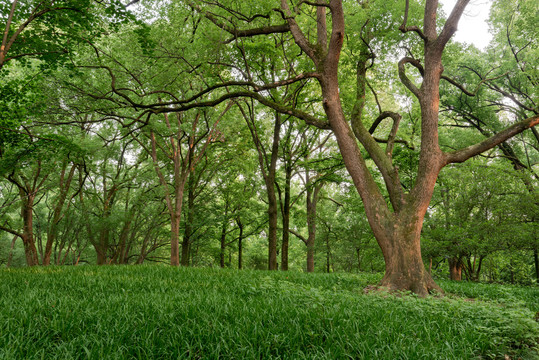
(404, 265)
(455, 269)
(272, 236)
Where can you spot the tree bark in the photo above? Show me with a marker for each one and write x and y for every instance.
(272, 198)
(286, 218)
(189, 221)
(404, 266)
(455, 269)
(52, 232)
(240, 244)
(223, 238)
(28, 240)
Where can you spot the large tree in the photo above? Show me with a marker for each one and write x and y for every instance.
(319, 30)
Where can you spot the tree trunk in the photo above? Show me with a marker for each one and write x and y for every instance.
(272, 199)
(189, 221)
(268, 170)
(223, 244)
(52, 232)
(455, 269)
(28, 240)
(240, 244)
(328, 255)
(175, 240)
(286, 219)
(404, 265)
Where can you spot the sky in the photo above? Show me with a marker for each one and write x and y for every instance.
(472, 26)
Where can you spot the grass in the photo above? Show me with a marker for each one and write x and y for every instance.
(157, 312)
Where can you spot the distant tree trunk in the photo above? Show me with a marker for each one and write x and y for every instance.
(358, 259)
(455, 269)
(268, 170)
(286, 218)
(28, 240)
(65, 184)
(240, 244)
(223, 245)
(328, 255)
(272, 199)
(188, 232)
(473, 269)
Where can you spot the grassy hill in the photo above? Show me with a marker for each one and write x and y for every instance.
(158, 312)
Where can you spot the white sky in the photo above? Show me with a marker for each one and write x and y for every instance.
(472, 26)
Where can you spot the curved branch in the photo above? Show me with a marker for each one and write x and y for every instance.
(404, 79)
(466, 153)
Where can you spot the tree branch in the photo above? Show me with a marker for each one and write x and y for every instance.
(13, 232)
(405, 28)
(301, 237)
(466, 153)
(404, 79)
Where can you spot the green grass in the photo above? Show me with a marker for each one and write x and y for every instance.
(157, 312)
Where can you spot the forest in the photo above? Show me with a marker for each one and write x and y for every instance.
(352, 139)
(312, 136)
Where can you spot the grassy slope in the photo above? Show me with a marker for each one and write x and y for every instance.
(154, 312)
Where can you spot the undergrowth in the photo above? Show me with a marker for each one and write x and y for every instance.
(157, 312)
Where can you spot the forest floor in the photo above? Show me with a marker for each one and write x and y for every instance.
(160, 312)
